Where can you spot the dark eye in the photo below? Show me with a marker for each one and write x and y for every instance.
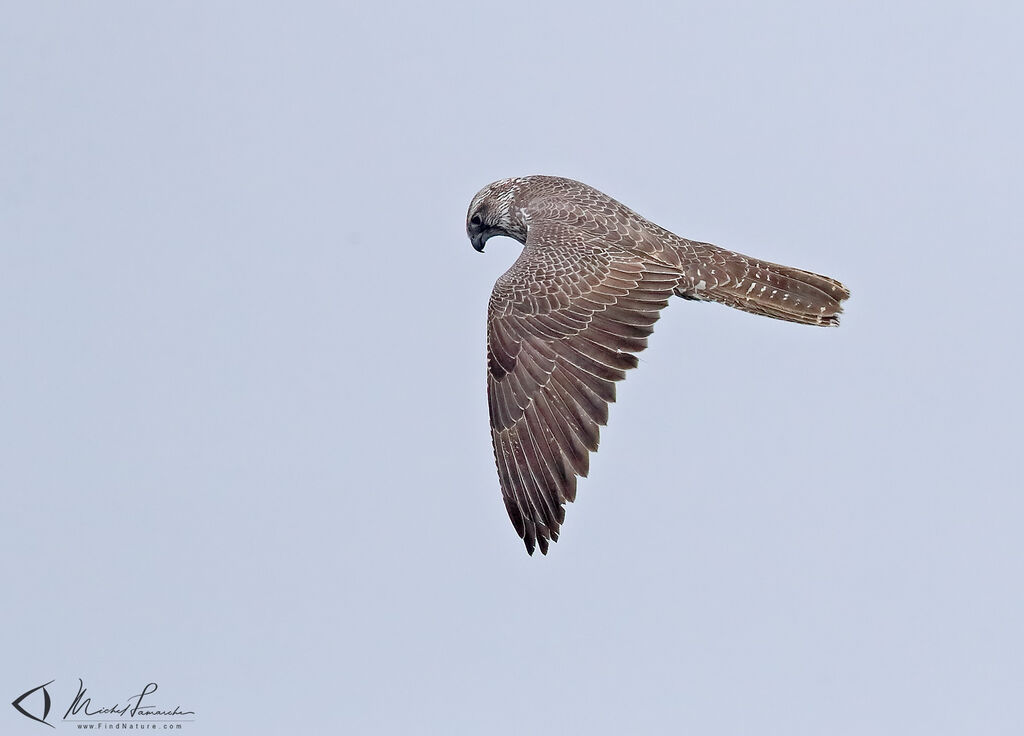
(475, 220)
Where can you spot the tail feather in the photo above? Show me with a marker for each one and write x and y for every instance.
(771, 289)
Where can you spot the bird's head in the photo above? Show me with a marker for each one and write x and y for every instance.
(495, 211)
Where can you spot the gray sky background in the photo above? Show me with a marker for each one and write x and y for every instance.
(244, 444)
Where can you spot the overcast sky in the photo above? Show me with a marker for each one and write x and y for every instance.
(244, 445)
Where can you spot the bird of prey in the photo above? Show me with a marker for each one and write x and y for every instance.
(565, 321)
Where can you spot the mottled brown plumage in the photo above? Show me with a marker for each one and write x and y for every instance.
(565, 320)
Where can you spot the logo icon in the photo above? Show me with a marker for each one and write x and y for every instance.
(46, 703)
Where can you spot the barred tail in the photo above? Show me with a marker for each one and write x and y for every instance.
(770, 289)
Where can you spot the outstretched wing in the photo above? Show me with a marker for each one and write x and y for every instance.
(563, 325)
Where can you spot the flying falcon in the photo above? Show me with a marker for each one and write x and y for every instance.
(564, 322)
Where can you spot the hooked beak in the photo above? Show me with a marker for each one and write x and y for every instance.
(478, 241)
